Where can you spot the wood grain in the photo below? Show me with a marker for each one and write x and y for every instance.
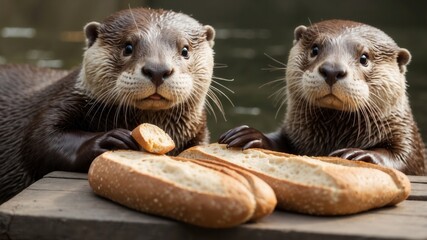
(62, 206)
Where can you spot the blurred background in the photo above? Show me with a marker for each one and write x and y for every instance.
(253, 39)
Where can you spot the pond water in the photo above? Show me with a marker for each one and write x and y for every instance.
(253, 40)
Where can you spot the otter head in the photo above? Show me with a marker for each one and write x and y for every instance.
(346, 66)
(148, 59)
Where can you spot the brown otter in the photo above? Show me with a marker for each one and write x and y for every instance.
(346, 97)
(140, 66)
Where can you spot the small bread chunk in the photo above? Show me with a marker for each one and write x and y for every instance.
(153, 139)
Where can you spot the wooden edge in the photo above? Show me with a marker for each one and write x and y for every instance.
(66, 175)
(417, 179)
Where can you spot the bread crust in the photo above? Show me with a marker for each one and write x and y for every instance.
(265, 197)
(120, 183)
(356, 187)
(400, 179)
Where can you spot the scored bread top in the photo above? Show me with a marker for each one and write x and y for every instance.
(309, 173)
(166, 186)
(264, 195)
(301, 169)
(183, 174)
(313, 186)
(153, 139)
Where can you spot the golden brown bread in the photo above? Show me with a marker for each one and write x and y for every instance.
(264, 195)
(400, 179)
(324, 186)
(153, 139)
(204, 194)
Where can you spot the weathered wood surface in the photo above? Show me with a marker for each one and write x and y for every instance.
(62, 206)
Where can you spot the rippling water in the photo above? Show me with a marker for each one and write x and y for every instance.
(252, 40)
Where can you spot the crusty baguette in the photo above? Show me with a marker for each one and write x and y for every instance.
(329, 186)
(153, 139)
(264, 195)
(171, 187)
(401, 181)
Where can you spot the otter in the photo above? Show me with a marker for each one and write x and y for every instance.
(140, 66)
(346, 97)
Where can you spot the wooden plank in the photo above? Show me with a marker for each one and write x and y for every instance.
(418, 179)
(61, 184)
(418, 192)
(70, 175)
(279, 226)
(419, 188)
(67, 208)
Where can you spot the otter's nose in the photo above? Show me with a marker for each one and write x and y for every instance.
(332, 72)
(157, 73)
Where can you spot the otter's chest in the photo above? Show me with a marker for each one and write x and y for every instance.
(325, 134)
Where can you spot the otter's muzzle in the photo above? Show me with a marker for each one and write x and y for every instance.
(157, 73)
(332, 72)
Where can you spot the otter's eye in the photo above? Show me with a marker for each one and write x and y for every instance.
(364, 59)
(314, 50)
(128, 50)
(185, 52)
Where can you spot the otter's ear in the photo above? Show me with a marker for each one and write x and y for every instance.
(91, 33)
(210, 34)
(298, 32)
(403, 59)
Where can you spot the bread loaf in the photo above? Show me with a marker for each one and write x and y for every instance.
(324, 186)
(265, 198)
(153, 139)
(206, 194)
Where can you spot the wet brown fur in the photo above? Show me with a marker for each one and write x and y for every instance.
(346, 96)
(313, 130)
(47, 116)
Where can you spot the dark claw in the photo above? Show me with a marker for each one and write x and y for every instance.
(118, 139)
(224, 137)
(239, 142)
(242, 133)
(372, 156)
(365, 157)
(346, 153)
(253, 144)
(351, 153)
(245, 137)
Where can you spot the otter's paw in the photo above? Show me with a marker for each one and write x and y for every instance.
(245, 137)
(100, 143)
(357, 154)
(116, 139)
